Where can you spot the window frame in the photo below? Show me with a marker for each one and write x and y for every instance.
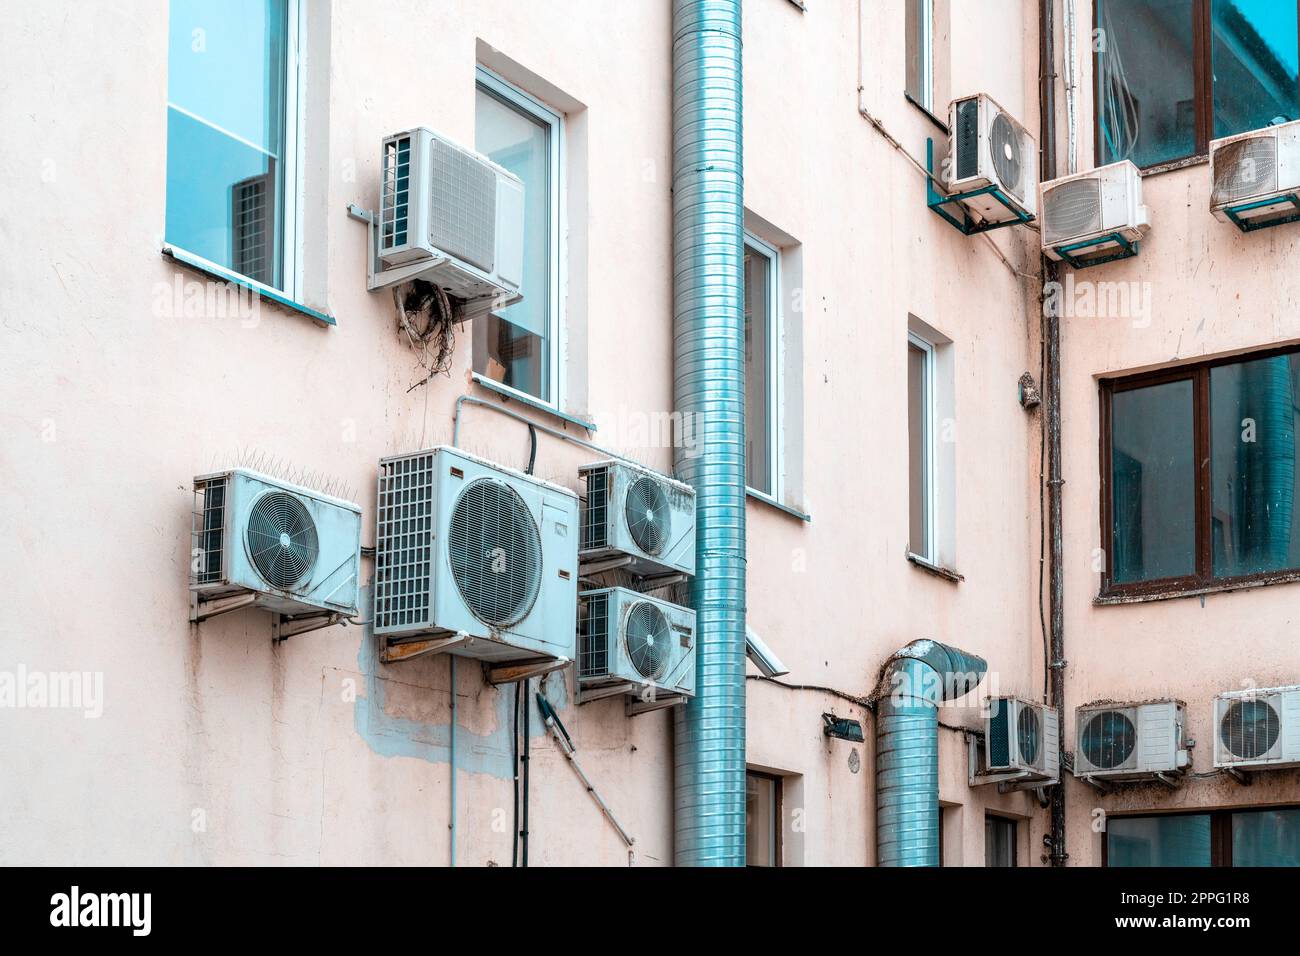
(776, 391)
(778, 797)
(924, 97)
(1202, 87)
(1013, 825)
(294, 162)
(496, 85)
(1203, 578)
(929, 469)
(1220, 828)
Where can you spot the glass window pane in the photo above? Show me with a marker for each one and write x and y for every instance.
(225, 133)
(758, 395)
(1255, 58)
(761, 820)
(1153, 483)
(918, 450)
(999, 841)
(1266, 838)
(917, 19)
(513, 345)
(1145, 92)
(1158, 841)
(1253, 465)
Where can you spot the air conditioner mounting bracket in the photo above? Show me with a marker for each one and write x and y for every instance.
(513, 671)
(961, 220)
(1123, 249)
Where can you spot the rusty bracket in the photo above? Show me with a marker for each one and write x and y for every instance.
(286, 626)
(201, 610)
(514, 671)
(392, 653)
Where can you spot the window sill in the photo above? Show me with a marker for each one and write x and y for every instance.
(773, 503)
(929, 567)
(1174, 164)
(505, 391)
(1113, 598)
(213, 271)
(929, 114)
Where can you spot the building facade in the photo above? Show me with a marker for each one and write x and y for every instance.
(895, 469)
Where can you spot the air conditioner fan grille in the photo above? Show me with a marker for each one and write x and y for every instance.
(646, 510)
(495, 552)
(281, 538)
(1108, 739)
(1071, 210)
(1005, 148)
(1249, 728)
(648, 638)
(1245, 168)
(1029, 734)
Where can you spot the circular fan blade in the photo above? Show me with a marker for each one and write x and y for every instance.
(281, 539)
(648, 639)
(1108, 739)
(646, 510)
(1249, 728)
(495, 550)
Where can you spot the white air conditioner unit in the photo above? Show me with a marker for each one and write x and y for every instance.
(1257, 729)
(295, 550)
(1255, 177)
(1022, 738)
(629, 638)
(991, 155)
(1131, 741)
(636, 513)
(1094, 215)
(477, 553)
(452, 217)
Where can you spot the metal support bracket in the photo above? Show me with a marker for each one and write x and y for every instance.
(961, 220)
(1170, 782)
(1097, 784)
(635, 705)
(201, 610)
(391, 653)
(1122, 248)
(514, 671)
(601, 565)
(1247, 224)
(285, 626)
(1241, 776)
(588, 694)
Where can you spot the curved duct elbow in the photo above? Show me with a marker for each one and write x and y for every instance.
(919, 677)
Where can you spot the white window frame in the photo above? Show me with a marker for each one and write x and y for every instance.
(554, 120)
(293, 161)
(926, 53)
(776, 390)
(930, 502)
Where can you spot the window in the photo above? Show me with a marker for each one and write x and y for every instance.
(232, 95)
(762, 366)
(920, 447)
(1170, 525)
(1174, 74)
(517, 346)
(999, 841)
(762, 819)
(919, 47)
(1267, 837)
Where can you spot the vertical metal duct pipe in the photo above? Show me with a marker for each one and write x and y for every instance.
(709, 393)
(907, 748)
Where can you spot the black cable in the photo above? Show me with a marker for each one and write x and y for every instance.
(532, 454)
(860, 701)
(514, 752)
(528, 727)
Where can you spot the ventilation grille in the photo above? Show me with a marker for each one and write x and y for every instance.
(595, 510)
(966, 136)
(1108, 739)
(593, 636)
(281, 538)
(1071, 210)
(1245, 168)
(210, 530)
(1249, 728)
(462, 217)
(495, 551)
(1006, 150)
(999, 752)
(646, 511)
(648, 640)
(395, 198)
(404, 545)
(1029, 735)
(251, 219)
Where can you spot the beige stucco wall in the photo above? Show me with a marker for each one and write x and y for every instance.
(215, 747)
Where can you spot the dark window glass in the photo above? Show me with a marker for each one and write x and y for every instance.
(762, 819)
(1266, 838)
(1254, 54)
(918, 450)
(999, 841)
(1158, 841)
(918, 45)
(1146, 85)
(1253, 465)
(1153, 483)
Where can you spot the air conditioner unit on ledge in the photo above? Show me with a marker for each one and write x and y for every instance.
(1093, 217)
(1131, 741)
(1257, 729)
(1255, 177)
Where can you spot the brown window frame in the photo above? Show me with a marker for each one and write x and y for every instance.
(778, 813)
(1203, 578)
(1220, 828)
(1015, 836)
(1202, 85)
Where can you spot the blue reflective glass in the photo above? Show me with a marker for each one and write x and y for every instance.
(226, 133)
(1255, 55)
(1266, 838)
(1158, 841)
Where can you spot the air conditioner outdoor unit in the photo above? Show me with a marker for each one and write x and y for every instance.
(1131, 741)
(1257, 729)
(993, 161)
(477, 553)
(1255, 177)
(633, 512)
(294, 549)
(452, 217)
(1095, 216)
(1022, 738)
(629, 638)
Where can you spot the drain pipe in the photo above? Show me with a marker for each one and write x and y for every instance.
(1052, 413)
(917, 678)
(709, 390)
